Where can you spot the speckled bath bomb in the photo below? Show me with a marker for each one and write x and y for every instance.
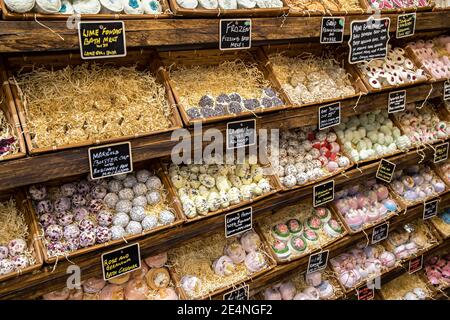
(166, 217)
(153, 198)
(142, 175)
(99, 192)
(78, 200)
(62, 204)
(44, 206)
(115, 186)
(66, 219)
(117, 232)
(137, 213)
(54, 232)
(153, 183)
(68, 189)
(71, 231)
(86, 225)
(134, 227)
(121, 219)
(139, 189)
(17, 246)
(121, 177)
(38, 192)
(83, 187)
(126, 194)
(20, 261)
(104, 218)
(47, 219)
(149, 222)
(87, 238)
(140, 201)
(123, 206)
(103, 234)
(111, 200)
(80, 213)
(129, 181)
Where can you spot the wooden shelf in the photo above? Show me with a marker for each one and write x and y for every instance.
(24, 36)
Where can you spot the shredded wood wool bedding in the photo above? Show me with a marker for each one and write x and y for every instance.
(325, 5)
(7, 133)
(443, 227)
(196, 259)
(398, 287)
(193, 82)
(91, 102)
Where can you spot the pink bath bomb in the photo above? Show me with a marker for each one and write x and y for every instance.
(332, 166)
(382, 193)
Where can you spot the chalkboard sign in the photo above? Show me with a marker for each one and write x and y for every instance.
(238, 221)
(121, 261)
(397, 101)
(380, 232)
(385, 170)
(102, 39)
(430, 209)
(447, 90)
(332, 30)
(406, 25)
(241, 134)
(235, 34)
(317, 261)
(368, 39)
(365, 293)
(110, 160)
(441, 152)
(415, 264)
(329, 115)
(323, 193)
(241, 293)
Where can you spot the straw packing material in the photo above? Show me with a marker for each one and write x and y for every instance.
(91, 102)
(442, 223)
(8, 139)
(406, 287)
(316, 6)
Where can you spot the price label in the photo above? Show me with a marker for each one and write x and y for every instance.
(241, 134)
(110, 160)
(415, 264)
(397, 101)
(102, 39)
(323, 193)
(121, 261)
(406, 25)
(329, 115)
(368, 39)
(430, 209)
(447, 90)
(380, 232)
(365, 293)
(441, 152)
(385, 171)
(235, 34)
(318, 261)
(241, 293)
(332, 30)
(238, 221)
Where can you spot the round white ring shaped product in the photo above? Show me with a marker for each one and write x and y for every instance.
(66, 7)
(208, 4)
(47, 6)
(20, 6)
(188, 4)
(151, 6)
(133, 7)
(86, 6)
(111, 6)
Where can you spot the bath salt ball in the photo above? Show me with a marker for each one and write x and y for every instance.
(117, 232)
(83, 187)
(111, 200)
(126, 194)
(289, 181)
(87, 238)
(80, 213)
(133, 227)
(56, 248)
(38, 192)
(66, 219)
(4, 252)
(44, 206)
(139, 189)
(166, 217)
(47, 219)
(104, 218)
(301, 178)
(99, 192)
(54, 232)
(121, 177)
(130, 181)
(140, 201)
(78, 200)
(143, 175)
(71, 231)
(153, 198)
(124, 206)
(73, 244)
(137, 213)
(86, 225)
(102, 234)
(17, 246)
(68, 189)
(121, 219)
(95, 205)
(149, 222)
(6, 266)
(115, 186)
(62, 204)
(20, 262)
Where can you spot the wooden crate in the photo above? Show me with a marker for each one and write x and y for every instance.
(144, 59)
(10, 15)
(171, 199)
(33, 233)
(200, 12)
(415, 58)
(295, 11)
(172, 59)
(8, 107)
(368, 8)
(416, 278)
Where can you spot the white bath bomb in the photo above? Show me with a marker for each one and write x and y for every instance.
(149, 222)
(20, 6)
(137, 213)
(188, 4)
(121, 219)
(166, 217)
(133, 227)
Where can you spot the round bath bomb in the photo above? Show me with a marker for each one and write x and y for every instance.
(104, 218)
(191, 284)
(80, 213)
(124, 206)
(121, 219)
(111, 200)
(99, 192)
(62, 204)
(137, 213)
(71, 231)
(133, 7)
(38, 192)
(66, 219)
(20, 6)
(208, 4)
(133, 227)
(153, 183)
(4, 252)
(6, 266)
(153, 197)
(78, 200)
(166, 217)
(44, 206)
(126, 194)
(223, 266)
(117, 232)
(140, 201)
(17, 247)
(255, 261)
(83, 187)
(111, 6)
(20, 261)
(87, 238)
(142, 175)
(54, 232)
(130, 181)
(86, 225)
(47, 219)
(103, 234)
(149, 222)
(115, 186)
(140, 189)
(272, 294)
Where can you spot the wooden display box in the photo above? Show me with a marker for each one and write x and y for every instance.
(417, 279)
(144, 59)
(10, 15)
(172, 59)
(172, 202)
(415, 58)
(33, 233)
(295, 11)
(365, 5)
(240, 12)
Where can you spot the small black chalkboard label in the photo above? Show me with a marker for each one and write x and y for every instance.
(441, 152)
(102, 39)
(368, 39)
(430, 209)
(317, 261)
(329, 115)
(118, 262)
(406, 25)
(415, 264)
(241, 293)
(323, 193)
(447, 90)
(380, 232)
(332, 30)
(110, 160)
(238, 221)
(235, 34)
(365, 293)
(397, 101)
(385, 170)
(241, 134)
